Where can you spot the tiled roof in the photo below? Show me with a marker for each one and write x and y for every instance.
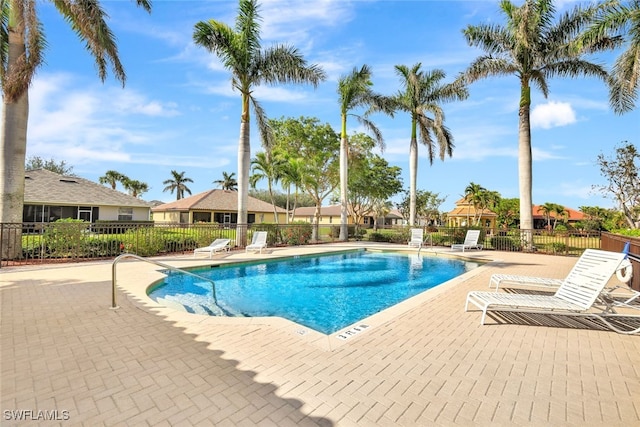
(469, 210)
(42, 186)
(215, 200)
(573, 215)
(334, 210)
(463, 209)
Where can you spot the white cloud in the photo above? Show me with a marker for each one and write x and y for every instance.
(552, 114)
(89, 124)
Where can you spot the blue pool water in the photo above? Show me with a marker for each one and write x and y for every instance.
(325, 293)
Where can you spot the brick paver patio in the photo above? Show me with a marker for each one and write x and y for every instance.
(427, 363)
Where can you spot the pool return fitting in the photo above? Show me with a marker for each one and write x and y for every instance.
(114, 304)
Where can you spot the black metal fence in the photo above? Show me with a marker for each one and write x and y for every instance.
(71, 241)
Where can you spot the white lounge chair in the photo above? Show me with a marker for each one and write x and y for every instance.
(215, 246)
(576, 296)
(470, 241)
(621, 293)
(513, 279)
(258, 242)
(417, 238)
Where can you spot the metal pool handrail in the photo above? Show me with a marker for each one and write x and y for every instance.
(430, 236)
(114, 305)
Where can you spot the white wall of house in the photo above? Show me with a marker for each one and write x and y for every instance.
(115, 213)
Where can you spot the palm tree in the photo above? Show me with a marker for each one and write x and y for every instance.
(135, 188)
(421, 94)
(626, 71)
(241, 53)
(112, 178)
(533, 48)
(292, 173)
(475, 195)
(177, 184)
(355, 91)
(547, 209)
(228, 182)
(561, 212)
(21, 53)
(265, 166)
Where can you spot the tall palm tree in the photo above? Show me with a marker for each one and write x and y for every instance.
(534, 48)
(112, 178)
(355, 91)
(228, 181)
(22, 41)
(626, 70)
(241, 53)
(265, 166)
(177, 183)
(422, 94)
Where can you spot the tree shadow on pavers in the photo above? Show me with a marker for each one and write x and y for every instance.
(502, 265)
(72, 353)
(624, 323)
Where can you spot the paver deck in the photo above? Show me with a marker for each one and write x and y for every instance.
(65, 353)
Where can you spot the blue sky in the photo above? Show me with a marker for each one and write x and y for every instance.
(178, 111)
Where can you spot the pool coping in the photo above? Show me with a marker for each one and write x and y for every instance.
(138, 281)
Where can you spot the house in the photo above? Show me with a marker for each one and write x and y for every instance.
(330, 215)
(49, 196)
(464, 214)
(220, 206)
(571, 217)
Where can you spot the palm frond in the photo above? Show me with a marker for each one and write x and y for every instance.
(87, 19)
(264, 129)
(248, 29)
(4, 37)
(218, 38)
(285, 64)
(18, 73)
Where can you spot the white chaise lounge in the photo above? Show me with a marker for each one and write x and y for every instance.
(417, 238)
(258, 242)
(576, 296)
(470, 241)
(217, 245)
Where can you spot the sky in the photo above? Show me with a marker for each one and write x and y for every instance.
(178, 111)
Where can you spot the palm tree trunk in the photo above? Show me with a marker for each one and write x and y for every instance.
(525, 165)
(315, 234)
(244, 163)
(288, 196)
(273, 203)
(413, 179)
(15, 116)
(343, 189)
(14, 146)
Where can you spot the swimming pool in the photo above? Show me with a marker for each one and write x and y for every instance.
(324, 292)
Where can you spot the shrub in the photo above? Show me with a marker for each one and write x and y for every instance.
(379, 237)
(299, 233)
(63, 237)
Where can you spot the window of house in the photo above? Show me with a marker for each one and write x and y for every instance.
(201, 217)
(125, 214)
